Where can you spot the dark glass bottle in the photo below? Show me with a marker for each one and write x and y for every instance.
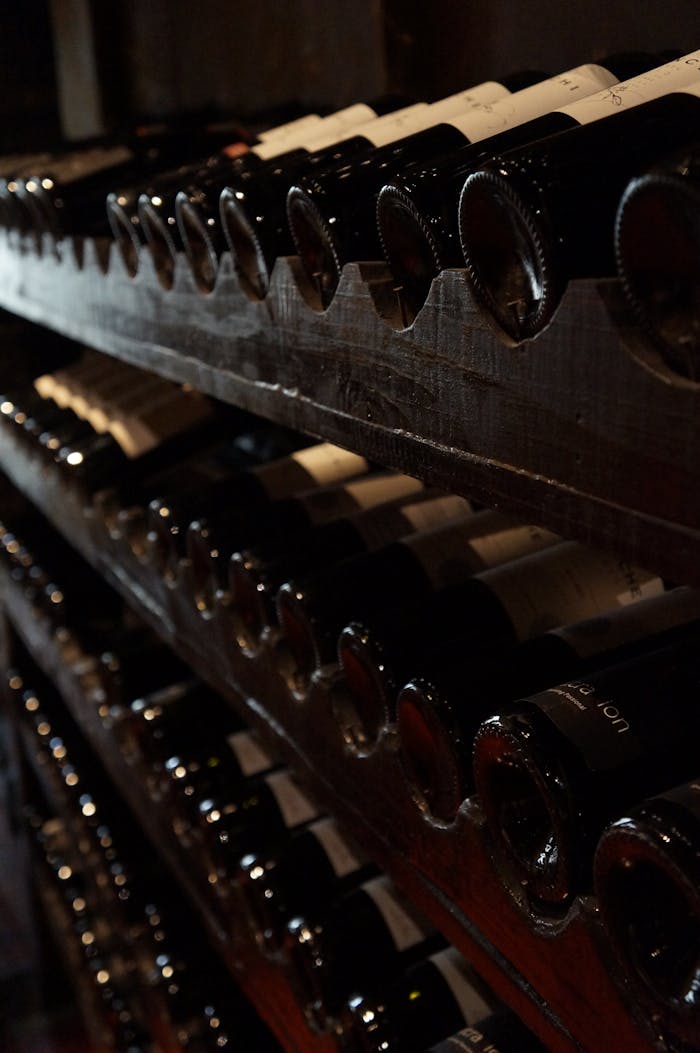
(647, 876)
(272, 473)
(199, 189)
(554, 769)
(439, 711)
(332, 214)
(181, 715)
(434, 999)
(656, 246)
(138, 665)
(366, 938)
(526, 195)
(210, 544)
(409, 572)
(253, 204)
(382, 649)
(210, 770)
(68, 193)
(417, 208)
(308, 873)
(256, 574)
(500, 1033)
(197, 206)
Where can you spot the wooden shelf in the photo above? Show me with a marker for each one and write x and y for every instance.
(555, 976)
(583, 430)
(263, 984)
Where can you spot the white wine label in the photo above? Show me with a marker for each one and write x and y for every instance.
(511, 542)
(404, 930)
(86, 163)
(461, 981)
(452, 553)
(323, 133)
(489, 91)
(324, 505)
(338, 852)
(319, 465)
(635, 621)
(673, 76)
(425, 515)
(251, 756)
(301, 125)
(367, 493)
(566, 584)
(479, 123)
(393, 126)
(295, 807)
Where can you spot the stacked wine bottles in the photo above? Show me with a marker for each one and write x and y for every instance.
(545, 684)
(426, 186)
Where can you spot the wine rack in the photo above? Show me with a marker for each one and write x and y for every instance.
(445, 869)
(584, 430)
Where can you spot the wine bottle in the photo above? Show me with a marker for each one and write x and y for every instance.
(501, 1033)
(647, 875)
(554, 769)
(210, 770)
(656, 253)
(160, 723)
(251, 491)
(261, 813)
(314, 868)
(256, 574)
(253, 205)
(431, 1001)
(417, 208)
(439, 710)
(157, 211)
(367, 938)
(312, 612)
(68, 193)
(332, 214)
(496, 608)
(526, 195)
(138, 665)
(210, 544)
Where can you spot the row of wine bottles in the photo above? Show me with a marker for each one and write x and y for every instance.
(550, 771)
(415, 989)
(517, 179)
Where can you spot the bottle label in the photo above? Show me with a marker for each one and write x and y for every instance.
(295, 807)
(338, 852)
(564, 585)
(367, 493)
(605, 632)
(301, 125)
(323, 506)
(251, 756)
(319, 465)
(393, 126)
(672, 76)
(404, 930)
(469, 1040)
(86, 163)
(461, 981)
(323, 133)
(450, 555)
(603, 731)
(489, 91)
(481, 121)
(426, 515)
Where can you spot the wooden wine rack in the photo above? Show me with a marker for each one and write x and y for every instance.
(584, 430)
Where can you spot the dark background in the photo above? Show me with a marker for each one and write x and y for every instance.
(87, 66)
